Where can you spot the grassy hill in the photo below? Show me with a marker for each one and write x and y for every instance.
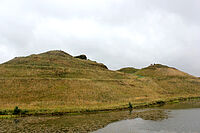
(158, 70)
(55, 81)
(129, 70)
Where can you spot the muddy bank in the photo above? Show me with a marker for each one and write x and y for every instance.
(75, 123)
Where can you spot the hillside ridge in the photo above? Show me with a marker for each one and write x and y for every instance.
(54, 58)
(55, 81)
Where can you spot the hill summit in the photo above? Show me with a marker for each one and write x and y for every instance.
(51, 64)
(159, 70)
(56, 58)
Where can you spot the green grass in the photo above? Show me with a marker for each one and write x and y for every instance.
(57, 82)
(129, 70)
(7, 116)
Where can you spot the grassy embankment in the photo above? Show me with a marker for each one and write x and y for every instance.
(57, 82)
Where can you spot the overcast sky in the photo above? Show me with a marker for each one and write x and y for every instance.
(118, 33)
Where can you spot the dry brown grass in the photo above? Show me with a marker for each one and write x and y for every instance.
(55, 81)
(65, 93)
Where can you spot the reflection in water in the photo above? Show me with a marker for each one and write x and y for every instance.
(130, 111)
(75, 123)
(183, 119)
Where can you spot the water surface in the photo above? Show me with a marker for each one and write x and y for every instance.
(182, 118)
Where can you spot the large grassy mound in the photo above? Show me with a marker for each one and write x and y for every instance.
(56, 81)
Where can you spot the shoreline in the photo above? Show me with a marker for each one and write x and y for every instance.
(47, 112)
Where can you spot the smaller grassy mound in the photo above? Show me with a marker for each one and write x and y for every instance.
(129, 70)
(158, 70)
(154, 66)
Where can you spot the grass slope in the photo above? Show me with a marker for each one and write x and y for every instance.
(129, 70)
(57, 82)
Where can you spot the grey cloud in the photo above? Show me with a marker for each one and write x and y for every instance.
(118, 33)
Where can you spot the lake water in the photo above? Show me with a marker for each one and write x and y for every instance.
(175, 118)
(183, 118)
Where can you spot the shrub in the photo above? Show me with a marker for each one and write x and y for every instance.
(83, 57)
(4, 112)
(23, 112)
(16, 111)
